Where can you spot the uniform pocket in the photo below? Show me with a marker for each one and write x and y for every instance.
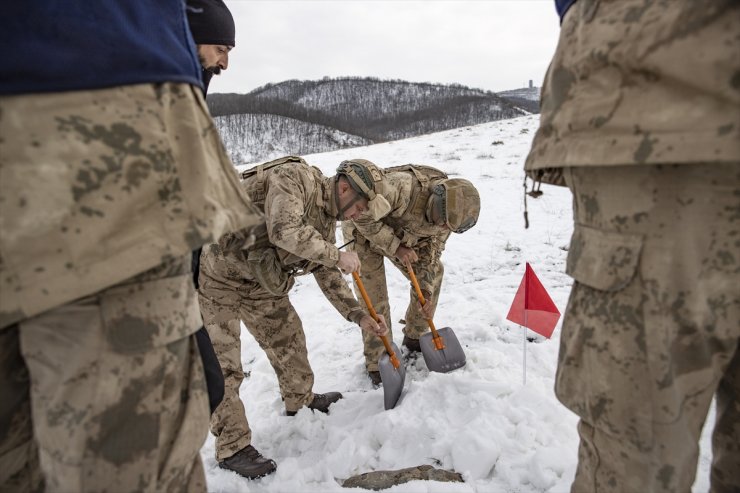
(268, 271)
(149, 314)
(603, 366)
(603, 260)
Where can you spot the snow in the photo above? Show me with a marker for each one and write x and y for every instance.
(480, 420)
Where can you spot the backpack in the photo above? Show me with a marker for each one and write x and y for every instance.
(426, 176)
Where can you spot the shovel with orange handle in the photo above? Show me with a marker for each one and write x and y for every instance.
(392, 371)
(441, 350)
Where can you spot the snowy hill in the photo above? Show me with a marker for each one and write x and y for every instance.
(480, 420)
(379, 110)
(530, 93)
(365, 110)
(250, 137)
(527, 98)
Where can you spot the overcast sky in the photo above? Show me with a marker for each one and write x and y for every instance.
(487, 44)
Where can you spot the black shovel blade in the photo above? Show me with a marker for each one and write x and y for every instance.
(444, 360)
(393, 378)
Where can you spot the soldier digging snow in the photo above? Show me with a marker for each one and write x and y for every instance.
(301, 208)
(422, 207)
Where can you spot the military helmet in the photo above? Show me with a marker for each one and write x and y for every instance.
(358, 174)
(458, 203)
(362, 176)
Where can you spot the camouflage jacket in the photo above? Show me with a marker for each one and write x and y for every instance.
(99, 186)
(300, 228)
(407, 189)
(635, 82)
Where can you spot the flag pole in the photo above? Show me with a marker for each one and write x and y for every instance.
(524, 331)
(524, 351)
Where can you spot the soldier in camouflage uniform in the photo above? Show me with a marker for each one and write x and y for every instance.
(301, 208)
(641, 120)
(423, 207)
(111, 172)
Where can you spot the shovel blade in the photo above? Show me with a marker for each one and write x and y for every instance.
(444, 360)
(392, 378)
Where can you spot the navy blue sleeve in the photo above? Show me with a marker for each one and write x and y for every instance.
(562, 7)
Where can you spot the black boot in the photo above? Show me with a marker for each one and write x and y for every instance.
(375, 378)
(412, 345)
(249, 463)
(320, 402)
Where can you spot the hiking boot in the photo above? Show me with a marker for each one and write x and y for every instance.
(249, 463)
(320, 402)
(375, 378)
(411, 344)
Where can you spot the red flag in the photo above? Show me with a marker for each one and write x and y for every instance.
(533, 307)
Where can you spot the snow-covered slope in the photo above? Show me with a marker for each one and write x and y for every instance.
(481, 420)
(250, 137)
(530, 93)
(527, 98)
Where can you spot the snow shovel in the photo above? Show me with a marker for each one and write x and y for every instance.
(441, 350)
(392, 372)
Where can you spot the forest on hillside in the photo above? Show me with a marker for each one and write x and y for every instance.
(300, 117)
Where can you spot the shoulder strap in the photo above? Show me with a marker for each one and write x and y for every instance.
(260, 169)
(425, 174)
(253, 179)
(420, 194)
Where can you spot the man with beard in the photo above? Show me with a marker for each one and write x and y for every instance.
(214, 34)
(213, 30)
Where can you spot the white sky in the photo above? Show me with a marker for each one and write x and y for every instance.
(488, 44)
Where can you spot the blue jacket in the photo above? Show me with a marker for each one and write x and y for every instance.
(69, 45)
(562, 7)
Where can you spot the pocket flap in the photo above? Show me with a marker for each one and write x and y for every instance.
(603, 260)
(144, 315)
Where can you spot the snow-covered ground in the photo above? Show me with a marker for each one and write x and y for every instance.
(480, 420)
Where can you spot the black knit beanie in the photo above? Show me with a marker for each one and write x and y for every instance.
(211, 22)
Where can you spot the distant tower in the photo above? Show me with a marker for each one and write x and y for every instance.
(530, 83)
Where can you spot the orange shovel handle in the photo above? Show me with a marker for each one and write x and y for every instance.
(438, 342)
(374, 314)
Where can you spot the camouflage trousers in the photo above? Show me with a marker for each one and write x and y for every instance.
(106, 393)
(276, 327)
(651, 331)
(373, 279)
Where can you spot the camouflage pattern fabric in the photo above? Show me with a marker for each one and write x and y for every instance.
(19, 461)
(651, 330)
(103, 193)
(117, 394)
(373, 279)
(300, 223)
(641, 119)
(98, 186)
(405, 225)
(277, 328)
(637, 82)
